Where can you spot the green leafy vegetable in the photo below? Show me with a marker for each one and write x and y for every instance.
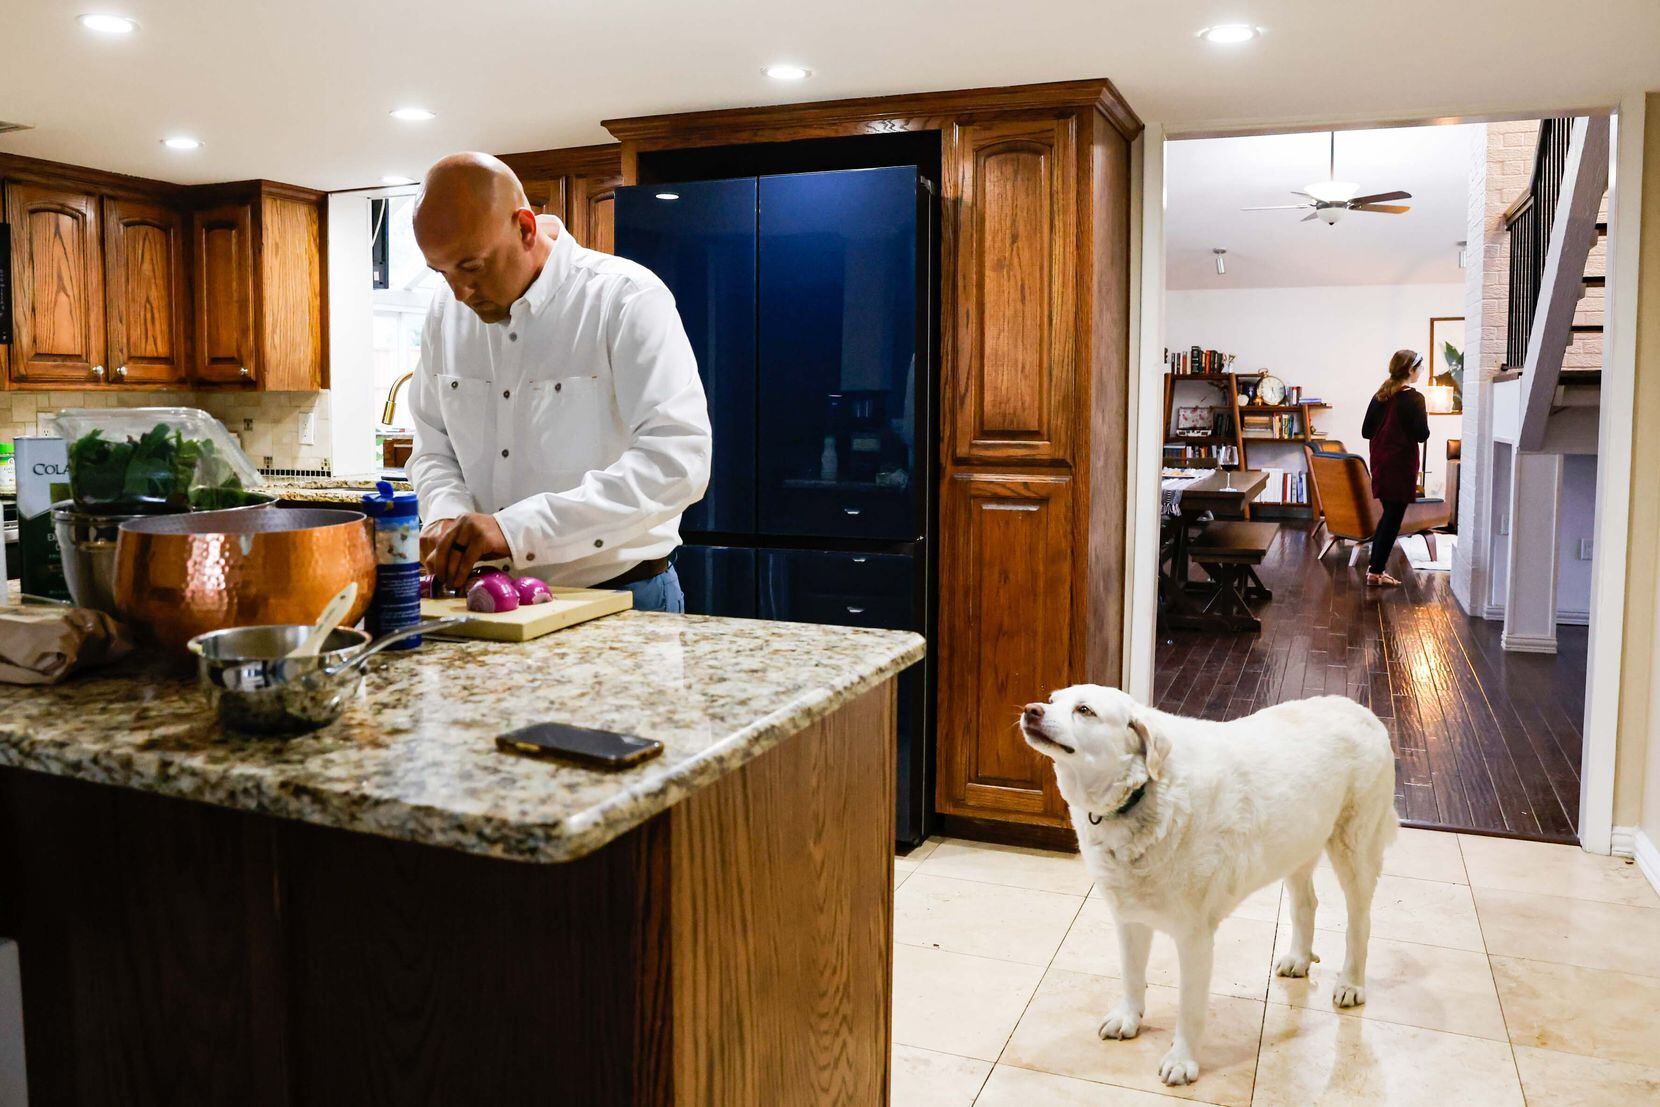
(160, 472)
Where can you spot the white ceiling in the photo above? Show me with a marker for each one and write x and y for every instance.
(298, 90)
(1208, 181)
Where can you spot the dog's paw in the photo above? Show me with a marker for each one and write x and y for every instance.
(1178, 1066)
(1122, 1022)
(1348, 995)
(1293, 964)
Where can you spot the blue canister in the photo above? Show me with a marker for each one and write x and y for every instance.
(397, 600)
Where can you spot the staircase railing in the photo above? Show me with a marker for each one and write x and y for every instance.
(1528, 222)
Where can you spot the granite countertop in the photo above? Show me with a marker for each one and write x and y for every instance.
(416, 759)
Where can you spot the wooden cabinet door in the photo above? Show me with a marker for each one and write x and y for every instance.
(222, 268)
(594, 212)
(548, 197)
(1006, 609)
(145, 290)
(57, 286)
(1010, 386)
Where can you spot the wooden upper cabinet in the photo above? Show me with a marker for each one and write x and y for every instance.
(1016, 272)
(547, 197)
(223, 268)
(145, 292)
(58, 285)
(1006, 618)
(594, 211)
(290, 247)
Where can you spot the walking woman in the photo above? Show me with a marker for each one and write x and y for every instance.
(1396, 425)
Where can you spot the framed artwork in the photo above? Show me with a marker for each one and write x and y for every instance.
(1195, 420)
(1444, 366)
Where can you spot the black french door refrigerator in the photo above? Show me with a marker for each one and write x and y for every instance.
(807, 299)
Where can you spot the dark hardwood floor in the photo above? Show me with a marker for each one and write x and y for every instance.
(1484, 740)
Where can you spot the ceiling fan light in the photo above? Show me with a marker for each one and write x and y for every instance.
(1332, 215)
(1333, 192)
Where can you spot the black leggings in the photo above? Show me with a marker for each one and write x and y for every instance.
(1389, 529)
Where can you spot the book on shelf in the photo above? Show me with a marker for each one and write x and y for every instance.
(1285, 487)
(1176, 453)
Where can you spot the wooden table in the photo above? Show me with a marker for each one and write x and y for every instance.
(1226, 494)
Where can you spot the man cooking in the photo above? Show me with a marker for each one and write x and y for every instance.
(559, 420)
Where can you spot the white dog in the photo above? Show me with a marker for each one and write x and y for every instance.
(1180, 819)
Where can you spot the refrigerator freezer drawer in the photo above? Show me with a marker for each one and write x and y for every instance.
(717, 580)
(844, 589)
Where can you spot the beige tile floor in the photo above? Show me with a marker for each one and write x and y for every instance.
(1501, 972)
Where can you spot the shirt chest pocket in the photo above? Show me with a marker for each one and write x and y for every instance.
(570, 419)
(469, 419)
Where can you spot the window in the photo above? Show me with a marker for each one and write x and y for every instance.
(400, 310)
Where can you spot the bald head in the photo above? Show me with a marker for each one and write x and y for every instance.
(475, 227)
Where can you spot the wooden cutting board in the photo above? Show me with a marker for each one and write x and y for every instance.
(570, 606)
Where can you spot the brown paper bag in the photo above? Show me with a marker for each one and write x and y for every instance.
(42, 645)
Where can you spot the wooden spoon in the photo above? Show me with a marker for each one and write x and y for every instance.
(327, 621)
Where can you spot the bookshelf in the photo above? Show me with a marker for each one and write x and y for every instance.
(1283, 425)
(1227, 447)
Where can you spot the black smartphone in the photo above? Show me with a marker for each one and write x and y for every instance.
(601, 749)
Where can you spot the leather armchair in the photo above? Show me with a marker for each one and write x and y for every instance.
(1343, 485)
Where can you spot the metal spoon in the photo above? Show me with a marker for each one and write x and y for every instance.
(333, 612)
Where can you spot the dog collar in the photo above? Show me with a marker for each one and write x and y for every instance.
(1123, 808)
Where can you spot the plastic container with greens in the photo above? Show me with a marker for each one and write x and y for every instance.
(153, 460)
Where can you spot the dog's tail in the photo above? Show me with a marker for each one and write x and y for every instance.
(1370, 823)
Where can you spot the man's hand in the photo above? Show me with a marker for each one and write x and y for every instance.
(451, 548)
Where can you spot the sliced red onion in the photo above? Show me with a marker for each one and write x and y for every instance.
(532, 590)
(492, 593)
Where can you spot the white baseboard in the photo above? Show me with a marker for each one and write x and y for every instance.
(1493, 612)
(1573, 618)
(1528, 643)
(1648, 858)
(1622, 841)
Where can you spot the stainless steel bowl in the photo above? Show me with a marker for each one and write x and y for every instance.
(255, 687)
(88, 545)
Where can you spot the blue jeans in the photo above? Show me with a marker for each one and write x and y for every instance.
(660, 593)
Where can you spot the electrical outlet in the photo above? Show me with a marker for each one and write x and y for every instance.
(247, 424)
(1584, 549)
(308, 428)
(1504, 524)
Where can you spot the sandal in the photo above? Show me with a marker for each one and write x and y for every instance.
(1381, 580)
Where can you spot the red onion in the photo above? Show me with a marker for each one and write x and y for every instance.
(492, 592)
(532, 590)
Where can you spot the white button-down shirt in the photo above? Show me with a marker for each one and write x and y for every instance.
(579, 421)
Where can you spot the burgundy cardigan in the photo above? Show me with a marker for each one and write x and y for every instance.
(1395, 427)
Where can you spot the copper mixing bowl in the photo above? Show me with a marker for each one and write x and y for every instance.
(177, 576)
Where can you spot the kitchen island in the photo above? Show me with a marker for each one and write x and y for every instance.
(392, 911)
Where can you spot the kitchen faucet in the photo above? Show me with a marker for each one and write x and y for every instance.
(391, 408)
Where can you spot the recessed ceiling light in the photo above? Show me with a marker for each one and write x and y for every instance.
(668, 195)
(413, 115)
(1229, 34)
(787, 72)
(182, 142)
(394, 179)
(106, 24)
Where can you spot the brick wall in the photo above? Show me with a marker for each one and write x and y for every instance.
(267, 423)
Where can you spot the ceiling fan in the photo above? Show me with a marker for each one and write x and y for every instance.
(1330, 198)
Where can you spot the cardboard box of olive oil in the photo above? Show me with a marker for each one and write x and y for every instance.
(42, 478)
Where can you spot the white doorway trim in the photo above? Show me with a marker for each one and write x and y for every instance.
(1608, 585)
(1605, 649)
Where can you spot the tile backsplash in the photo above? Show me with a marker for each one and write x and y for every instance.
(266, 423)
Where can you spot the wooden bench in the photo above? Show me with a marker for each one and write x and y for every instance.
(1229, 552)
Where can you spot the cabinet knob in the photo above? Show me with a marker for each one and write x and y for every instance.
(121, 372)
(98, 371)
(243, 370)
